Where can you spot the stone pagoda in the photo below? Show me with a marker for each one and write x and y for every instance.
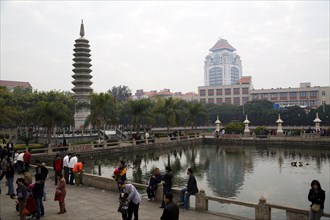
(82, 83)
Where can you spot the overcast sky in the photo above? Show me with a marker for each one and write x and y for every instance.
(153, 45)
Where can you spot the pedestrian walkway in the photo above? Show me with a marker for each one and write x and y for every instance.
(89, 203)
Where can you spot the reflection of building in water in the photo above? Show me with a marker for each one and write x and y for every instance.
(227, 170)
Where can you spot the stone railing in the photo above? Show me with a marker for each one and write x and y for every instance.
(262, 209)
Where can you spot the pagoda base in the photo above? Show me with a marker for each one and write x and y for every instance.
(79, 119)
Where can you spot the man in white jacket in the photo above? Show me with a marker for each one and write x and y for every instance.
(66, 167)
(73, 160)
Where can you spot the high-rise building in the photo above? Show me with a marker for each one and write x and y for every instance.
(222, 66)
(82, 83)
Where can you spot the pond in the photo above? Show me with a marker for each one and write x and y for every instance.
(242, 173)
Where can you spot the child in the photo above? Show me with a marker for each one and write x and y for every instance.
(21, 197)
(123, 205)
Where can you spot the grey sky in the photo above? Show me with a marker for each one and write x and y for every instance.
(154, 45)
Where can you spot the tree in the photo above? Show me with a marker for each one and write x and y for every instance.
(104, 111)
(140, 110)
(194, 110)
(234, 128)
(50, 114)
(121, 93)
(169, 108)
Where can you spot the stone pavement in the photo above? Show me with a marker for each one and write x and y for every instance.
(91, 203)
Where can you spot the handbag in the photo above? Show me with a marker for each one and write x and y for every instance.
(58, 195)
(316, 207)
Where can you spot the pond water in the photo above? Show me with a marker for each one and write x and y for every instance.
(242, 173)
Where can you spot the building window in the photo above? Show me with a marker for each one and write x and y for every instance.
(210, 92)
(245, 91)
(219, 91)
(234, 75)
(264, 95)
(245, 99)
(215, 76)
(313, 102)
(273, 95)
(283, 94)
(202, 92)
(210, 100)
(227, 91)
(293, 94)
(237, 101)
(303, 94)
(219, 100)
(228, 100)
(255, 96)
(303, 103)
(236, 91)
(203, 101)
(323, 93)
(313, 93)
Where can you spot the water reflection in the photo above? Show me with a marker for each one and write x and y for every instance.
(243, 173)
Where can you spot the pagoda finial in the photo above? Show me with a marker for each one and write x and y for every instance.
(82, 29)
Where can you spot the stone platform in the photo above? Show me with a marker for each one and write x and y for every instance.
(84, 203)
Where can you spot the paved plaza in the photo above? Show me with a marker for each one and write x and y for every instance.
(91, 203)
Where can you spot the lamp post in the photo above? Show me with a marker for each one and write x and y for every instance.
(279, 123)
(246, 122)
(317, 122)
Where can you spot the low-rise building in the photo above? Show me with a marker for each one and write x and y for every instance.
(304, 96)
(236, 94)
(11, 85)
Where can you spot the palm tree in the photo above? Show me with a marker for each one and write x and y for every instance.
(140, 110)
(50, 114)
(169, 108)
(104, 111)
(194, 110)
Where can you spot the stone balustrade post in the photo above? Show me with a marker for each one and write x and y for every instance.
(159, 192)
(263, 211)
(134, 142)
(119, 143)
(201, 201)
(147, 141)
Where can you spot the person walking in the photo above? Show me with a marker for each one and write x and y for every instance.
(167, 185)
(21, 196)
(153, 183)
(171, 210)
(57, 165)
(10, 177)
(191, 189)
(61, 189)
(316, 196)
(37, 192)
(20, 163)
(27, 159)
(134, 199)
(42, 170)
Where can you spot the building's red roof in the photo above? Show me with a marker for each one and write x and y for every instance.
(245, 80)
(14, 84)
(222, 44)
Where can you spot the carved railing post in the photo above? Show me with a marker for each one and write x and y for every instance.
(263, 211)
(201, 201)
